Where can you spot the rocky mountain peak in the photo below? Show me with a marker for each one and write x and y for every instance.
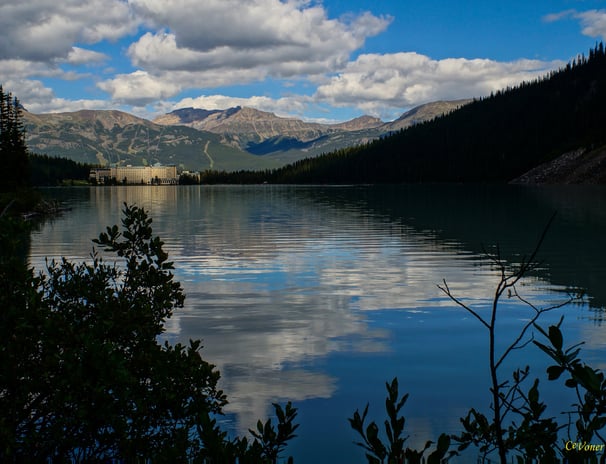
(425, 112)
(360, 123)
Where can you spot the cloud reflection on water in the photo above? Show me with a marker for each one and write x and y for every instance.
(279, 281)
(274, 288)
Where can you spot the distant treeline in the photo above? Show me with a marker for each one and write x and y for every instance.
(492, 139)
(47, 170)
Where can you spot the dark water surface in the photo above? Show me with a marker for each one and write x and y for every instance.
(319, 295)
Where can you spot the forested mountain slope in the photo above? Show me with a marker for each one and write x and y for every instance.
(493, 139)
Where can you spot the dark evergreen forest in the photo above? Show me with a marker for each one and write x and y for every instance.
(493, 139)
(47, 170)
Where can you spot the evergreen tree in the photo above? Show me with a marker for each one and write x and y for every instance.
(13, 150)
(4, 117)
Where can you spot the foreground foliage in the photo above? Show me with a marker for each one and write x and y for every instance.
(394, 452)
(83, 377)
(517, 428)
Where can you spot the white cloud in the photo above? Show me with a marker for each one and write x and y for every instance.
(381, 85)
(29, 91)
(139, 88)
(37, 98)
(15, 69)
(38, 36)
(593, 22)
(78, 56)
(63, 105)
(228, 42)
(46, 30)
(17, 74)
(231, 42)
(256, 25)
(378, 83)
(285, 106)
(553, 17)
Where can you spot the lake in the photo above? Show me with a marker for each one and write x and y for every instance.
(319, 295)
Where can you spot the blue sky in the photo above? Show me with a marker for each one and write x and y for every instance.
(328, 60)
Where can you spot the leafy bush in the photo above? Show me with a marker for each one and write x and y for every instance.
(83, 377)
(378, 452)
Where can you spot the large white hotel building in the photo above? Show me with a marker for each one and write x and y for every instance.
(142, 175)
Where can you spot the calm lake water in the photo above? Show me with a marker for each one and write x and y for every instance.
(318, 295)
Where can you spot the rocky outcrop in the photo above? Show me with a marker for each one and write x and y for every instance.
(579, 166)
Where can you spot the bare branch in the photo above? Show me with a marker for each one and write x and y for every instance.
(467, 308)
(538, 312)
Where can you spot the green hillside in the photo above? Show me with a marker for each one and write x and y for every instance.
(106, 137)
(493, 139)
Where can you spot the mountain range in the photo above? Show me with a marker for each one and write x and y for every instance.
(234, 139)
